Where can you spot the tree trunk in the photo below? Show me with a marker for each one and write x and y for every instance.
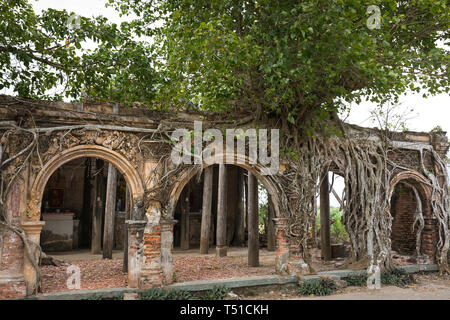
(325, 242)
(314, 222)
(221, 238)
(246, 206)
(253, 233)
(206, 210)
(110, 210)
(125, 236)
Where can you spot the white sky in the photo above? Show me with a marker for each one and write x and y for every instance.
(430, 112)
(87, 8)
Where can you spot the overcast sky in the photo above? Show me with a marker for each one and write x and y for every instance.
(429, 113)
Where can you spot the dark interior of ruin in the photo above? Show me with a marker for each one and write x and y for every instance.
(67, 204)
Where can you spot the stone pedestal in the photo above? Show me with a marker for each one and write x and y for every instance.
(135, 248)
(12, 282)
(33, 232)
(282, 246)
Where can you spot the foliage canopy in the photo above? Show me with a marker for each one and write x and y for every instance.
(292, 60)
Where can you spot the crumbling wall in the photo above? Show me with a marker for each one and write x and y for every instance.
(138, 138)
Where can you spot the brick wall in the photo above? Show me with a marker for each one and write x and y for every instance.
(403, 207)
(12, 289)
(429, 237)
(12, 253)
(12, 285)
(151, 272)
(152, 243)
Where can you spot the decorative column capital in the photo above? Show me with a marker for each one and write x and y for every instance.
(33, 227)
(166, 224)
(136, 225)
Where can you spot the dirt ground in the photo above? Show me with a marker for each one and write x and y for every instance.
(430, 286)
(97, 273)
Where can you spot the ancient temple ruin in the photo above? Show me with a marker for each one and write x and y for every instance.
(55, 184)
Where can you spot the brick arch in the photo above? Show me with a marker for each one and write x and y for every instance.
(131, 175)
(418, 181)
(255, 169)
(414, 178)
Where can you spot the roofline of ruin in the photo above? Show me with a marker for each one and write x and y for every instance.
(52, 113)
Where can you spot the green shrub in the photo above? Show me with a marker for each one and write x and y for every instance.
(359, 280)
(162, 294)
(216, 293)
(337, 229)
(397, 277)
(320, 287)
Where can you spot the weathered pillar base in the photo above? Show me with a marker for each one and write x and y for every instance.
(151, 276)
(301, 268)
(135, 250)
(167, 249)
(221, 251)
(282, 246)
(12, 282)
(325, 240)
(33, 232)
(12, 286)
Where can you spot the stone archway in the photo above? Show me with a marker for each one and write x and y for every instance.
(131, 175)
(413, 177)
(240, 161)
(33, 226)
(277, 197)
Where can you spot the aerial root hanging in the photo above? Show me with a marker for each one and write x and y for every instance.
(367, 172)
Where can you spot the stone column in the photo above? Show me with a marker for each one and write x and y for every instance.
(135, 247)
(110, 212)
(185, 235)
(125, 234)
(96, 232)
(221, 235)
(253, 222)
(239, 233)
(33, 232)
(206, 210)
(282, 246)
(325, 241)
(12, 282)
(167, 249)
(271, 239)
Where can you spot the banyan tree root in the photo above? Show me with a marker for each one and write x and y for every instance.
(367, 172)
